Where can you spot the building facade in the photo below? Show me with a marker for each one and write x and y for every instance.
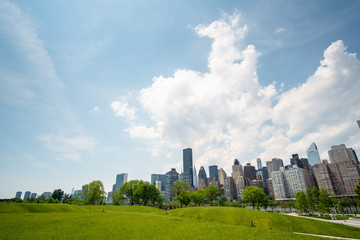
(214, 172)
(188, 164)
(313, 154)
(120, 180)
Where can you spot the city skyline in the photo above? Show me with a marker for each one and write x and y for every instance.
(91, 91)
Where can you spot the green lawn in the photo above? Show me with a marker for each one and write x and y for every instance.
(60, 221)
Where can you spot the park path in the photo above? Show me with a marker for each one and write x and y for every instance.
(353, 222)
(324, 236)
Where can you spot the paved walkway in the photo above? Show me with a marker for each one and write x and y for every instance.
(353, 222)
(323, 236)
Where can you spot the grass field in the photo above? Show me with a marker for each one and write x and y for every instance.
(60, 221)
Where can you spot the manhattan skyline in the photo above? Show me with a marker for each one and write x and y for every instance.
(91, 91)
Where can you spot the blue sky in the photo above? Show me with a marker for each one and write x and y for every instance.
(91, 90)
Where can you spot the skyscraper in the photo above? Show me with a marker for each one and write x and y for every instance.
(313, 155)
(159, 177)
(120, 180)
(188, 163)
(339, 153)
(358, 122)
(249, 172)
(274, 165)
(171, 177)
(18, 194)
(202, 175)
(259, 164)
(222, 176)
(237, 169)
(195, 178)
(27, 195)
(214, 173)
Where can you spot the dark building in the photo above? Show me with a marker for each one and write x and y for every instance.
(305, 163)
(295, 160)
(249, 172)
(214, 172)
(188, 164)
(202, 175)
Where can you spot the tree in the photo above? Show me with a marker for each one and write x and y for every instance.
(57, 194)
(212, 193)
(301, 203)
(128, 189)
(184, 197)
(145, 193)
(266, 202)
(41, 199)
(94, 192)
(312, 198)
(253, 195)
(198, 197)
(325, 201)
(117, 198)
(222, 200)
(179, 186)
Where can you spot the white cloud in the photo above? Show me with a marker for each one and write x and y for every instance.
(225, 113)
(280, 30)
(95, 109)
(67, 148)
(123, 110)
(142, 132)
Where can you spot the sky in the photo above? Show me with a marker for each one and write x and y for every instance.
(88, 91)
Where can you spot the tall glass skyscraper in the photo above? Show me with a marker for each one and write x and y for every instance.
(313, 155)
(188, 164)
(214, 173)
(120, 180)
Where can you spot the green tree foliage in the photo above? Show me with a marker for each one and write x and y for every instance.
(129, 188)
(41, 199)
(179, 186)
(253, 195)
(301, 203)
(50, 200)
(184, 197)
(94, 192)
(325, 201)
(198, 197)
(146, 193)
(212, 193)
(117, 198)
(57, 194)
(312, 198)
(222, 200)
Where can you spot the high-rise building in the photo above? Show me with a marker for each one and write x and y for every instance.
(287, 182)
(230, 189)
(214, 173)
(339, 153)
(249, 172)
(240, 184)
(18, 194)
(274, 165)
(295, 160)
(159, 177)
(158, 185)
(304, 163)
(171, 177)
(259, 164)
(202, 175)
(27, 195)
(33, 195)
(195, 178)
(188, 164)
(341, 176)
(120, 180)
(358, 122)
(313, 154)
(237, 169)
(185, 176)
(222, 176)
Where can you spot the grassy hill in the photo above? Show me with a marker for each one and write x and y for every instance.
(61, 221)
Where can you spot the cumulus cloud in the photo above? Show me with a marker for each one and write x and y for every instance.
(123, 110)
(226, 113)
